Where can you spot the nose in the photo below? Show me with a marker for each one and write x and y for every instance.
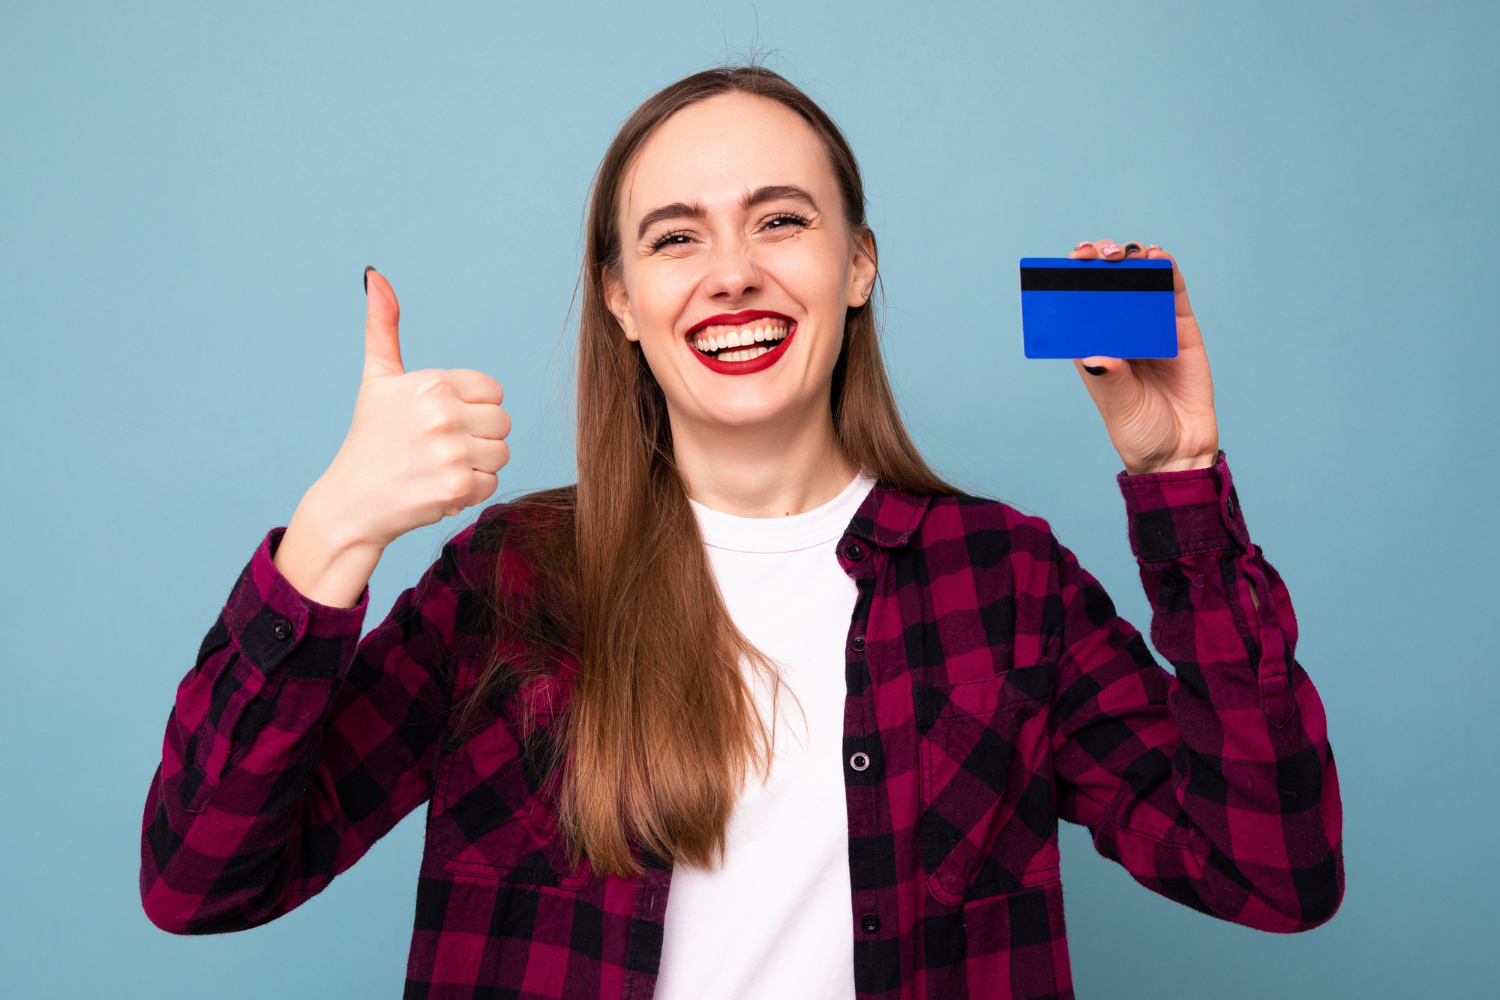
(732, 271)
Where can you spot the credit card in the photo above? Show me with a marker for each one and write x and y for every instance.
(1111, 308)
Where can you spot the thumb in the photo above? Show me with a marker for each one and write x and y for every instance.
(382, 316)
(1111, 383)
(1102, 369)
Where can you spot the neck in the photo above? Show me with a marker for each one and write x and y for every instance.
(763, 470)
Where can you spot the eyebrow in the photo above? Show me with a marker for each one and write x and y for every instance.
(695, 210)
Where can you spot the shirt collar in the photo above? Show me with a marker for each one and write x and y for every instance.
(888, 516)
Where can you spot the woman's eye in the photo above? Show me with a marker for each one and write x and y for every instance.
(785, 221)
(670, 239)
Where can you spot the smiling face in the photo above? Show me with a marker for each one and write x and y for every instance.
(733, 240)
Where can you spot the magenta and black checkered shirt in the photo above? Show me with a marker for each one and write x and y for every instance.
(992, 690)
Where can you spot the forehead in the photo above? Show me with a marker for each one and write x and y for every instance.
(718, 149)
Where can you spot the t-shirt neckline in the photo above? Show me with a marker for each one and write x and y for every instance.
(824, 523)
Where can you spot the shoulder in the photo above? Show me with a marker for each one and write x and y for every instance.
(518, 531)
(540, 513)
(509, 571)
(1021, 547)
(990, 529)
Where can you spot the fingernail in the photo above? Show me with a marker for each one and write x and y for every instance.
(1153, 247)
(1095, 369)
(367, 278)
(1131, 246)
(1108, 247)
(1081, 244)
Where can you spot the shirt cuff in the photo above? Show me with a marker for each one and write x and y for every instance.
(1183, 513)
(275, 625)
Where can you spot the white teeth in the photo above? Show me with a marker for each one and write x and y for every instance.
(719, 338)
(746, 355)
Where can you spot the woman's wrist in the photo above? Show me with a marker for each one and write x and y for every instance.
(321, 558)
(1177, 465)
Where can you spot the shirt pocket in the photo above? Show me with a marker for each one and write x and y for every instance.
(988, 814)
(489, 820)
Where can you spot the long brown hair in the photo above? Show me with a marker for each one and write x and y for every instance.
(660, 723)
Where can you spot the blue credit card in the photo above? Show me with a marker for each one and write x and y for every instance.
(1108, 308)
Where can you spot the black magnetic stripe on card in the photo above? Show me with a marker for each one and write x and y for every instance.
(1096, 279)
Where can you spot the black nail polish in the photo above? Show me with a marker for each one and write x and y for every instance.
(1131, 246)
(367, 278)
(1095, 369)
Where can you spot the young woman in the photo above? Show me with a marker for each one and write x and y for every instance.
(585, 686)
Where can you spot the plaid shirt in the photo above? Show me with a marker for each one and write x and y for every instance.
(992, 690)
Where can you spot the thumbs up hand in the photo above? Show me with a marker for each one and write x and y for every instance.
(422, 446)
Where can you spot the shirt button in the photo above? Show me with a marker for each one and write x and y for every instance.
(281, 628)
(859, 761)
(869, 923)
(1234, 502)
(854, 552)
(858, 642)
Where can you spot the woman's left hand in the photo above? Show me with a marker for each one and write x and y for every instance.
(1159, 412)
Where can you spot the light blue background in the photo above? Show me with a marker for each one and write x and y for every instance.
(188, 197)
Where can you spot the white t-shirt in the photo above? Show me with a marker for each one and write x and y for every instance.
(775, 919)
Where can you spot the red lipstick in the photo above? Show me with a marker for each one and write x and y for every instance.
(739, 319)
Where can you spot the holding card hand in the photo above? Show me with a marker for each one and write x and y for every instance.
(1159, 412)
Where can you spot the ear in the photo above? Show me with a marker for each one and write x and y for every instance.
(618, 301)
(863, 269)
